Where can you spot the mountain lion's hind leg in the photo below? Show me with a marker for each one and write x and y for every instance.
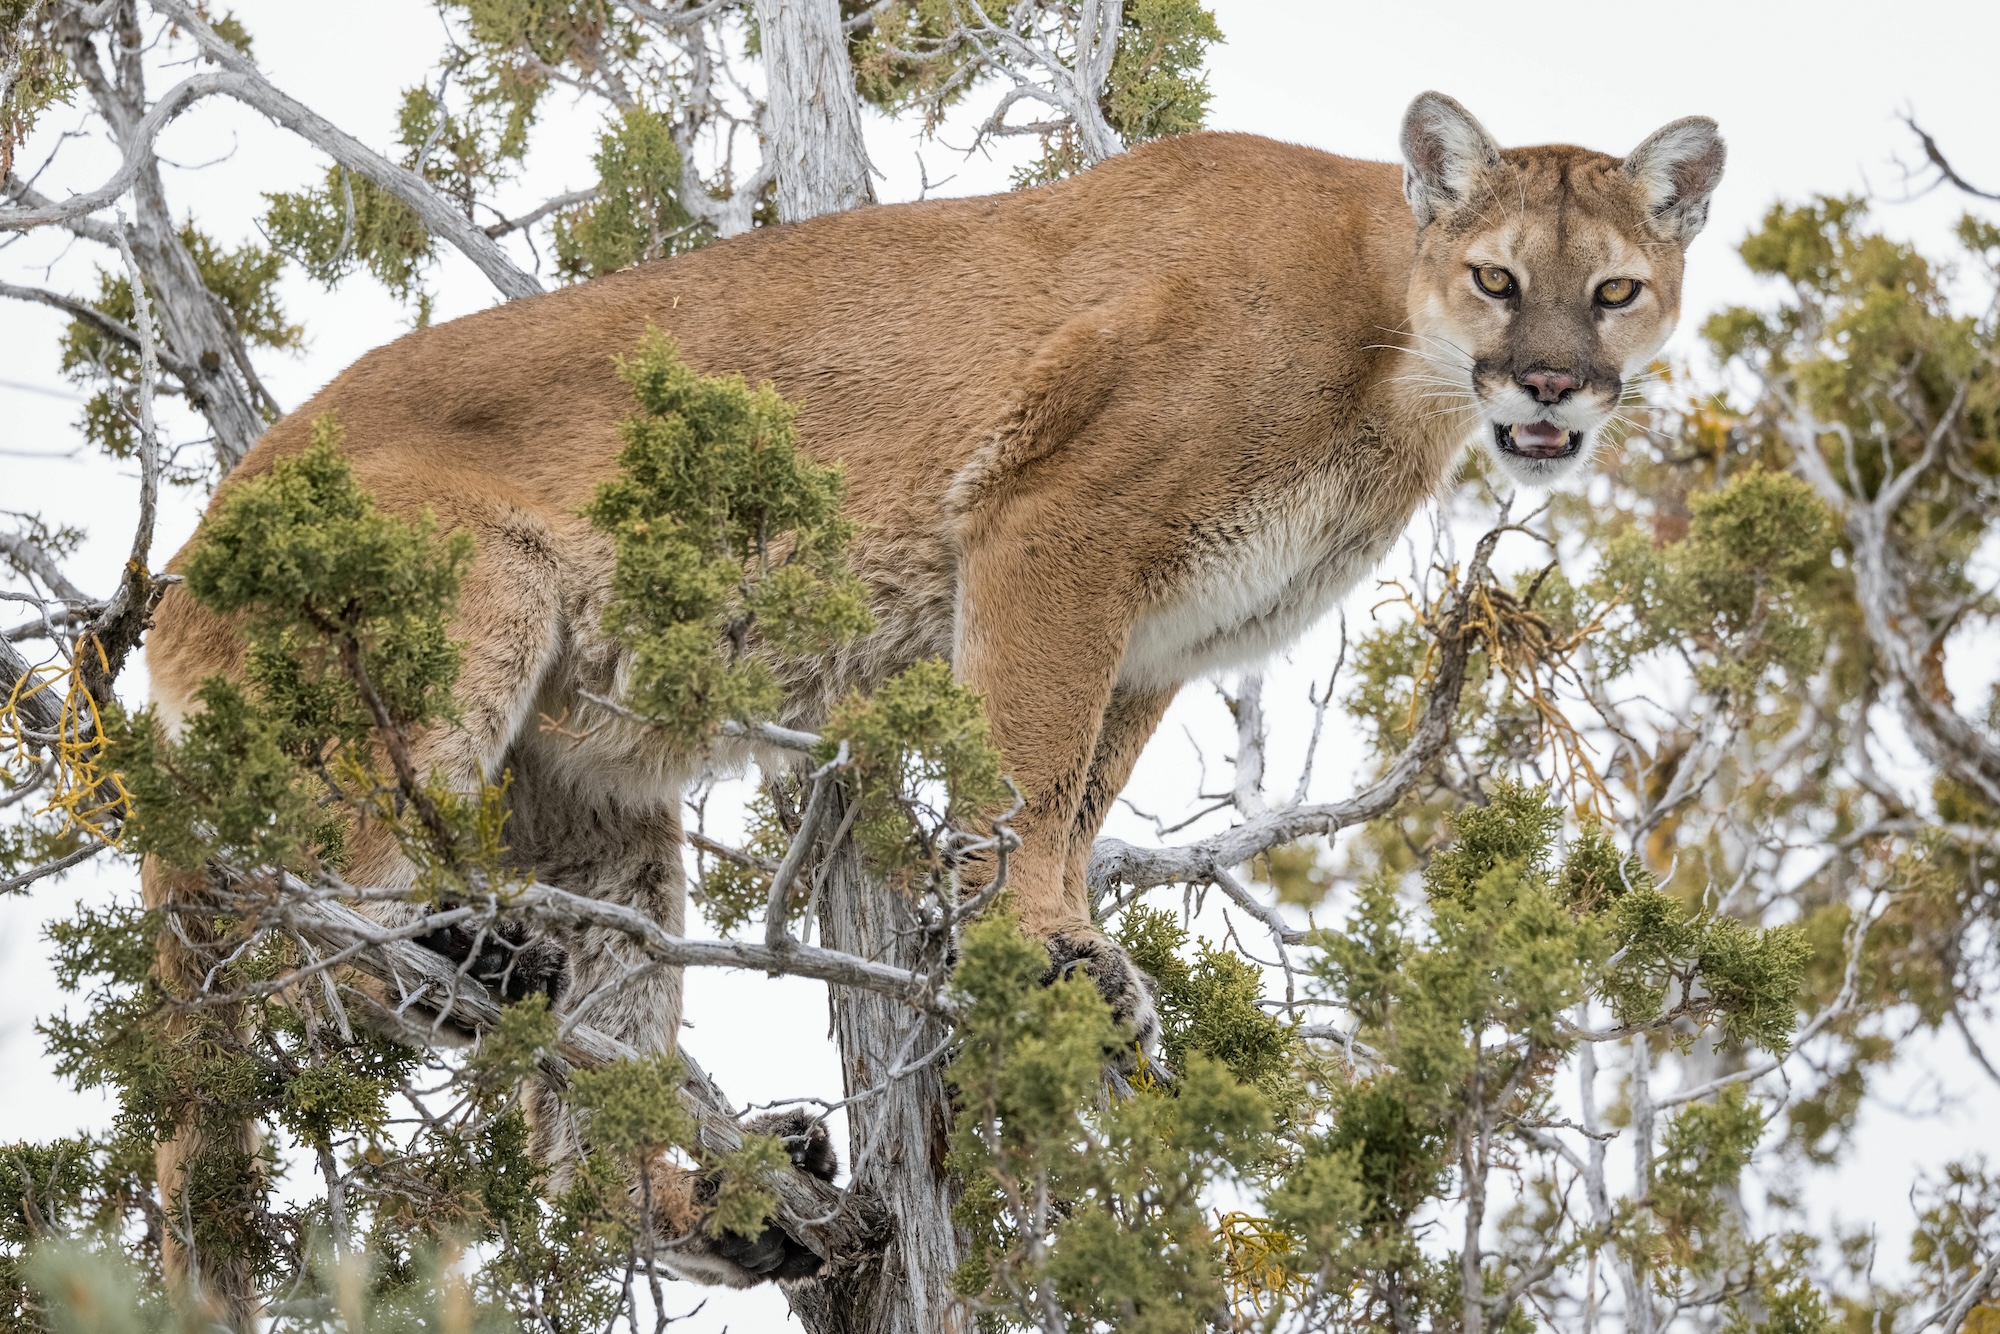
(508, 619)
(572, 825)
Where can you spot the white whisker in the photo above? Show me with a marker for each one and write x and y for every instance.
(1429, 338)
(1421, 355)
(1424, 379)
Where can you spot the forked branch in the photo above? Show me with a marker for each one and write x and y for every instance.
(1945, 170)
(240, 78)
(1114, 862)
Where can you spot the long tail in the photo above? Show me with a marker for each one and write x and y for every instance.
(209, 1167)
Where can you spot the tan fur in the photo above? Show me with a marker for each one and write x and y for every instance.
(1101, 437)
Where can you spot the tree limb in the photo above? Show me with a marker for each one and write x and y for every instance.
(1943, 165)
(138, 153)
(842, 1227)
(97, 320)
(1114, 862)
(436, 211)
(19, 191)
(115, 631)
(30, 557)
(41, 714)
(1950, 1316)
(240, 79)
(299, 903)
(535, 215)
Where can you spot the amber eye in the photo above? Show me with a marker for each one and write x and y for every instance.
(1492, 280)
(1617, 291)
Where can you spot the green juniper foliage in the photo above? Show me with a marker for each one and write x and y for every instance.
(635, 1114)
(1466, 1010)
(244, 280)
(345, 612)
(730, 545)
(921, 768)
(1702, 1153)
(511, 46)
(1866, 335)
(349, 223)
(303, 552)
(637, 214)
(731, 893)
(1208, 1006)
(922, 760)
(1157, 87)
(1743, 589)
(1093, 1207)
(37, 76)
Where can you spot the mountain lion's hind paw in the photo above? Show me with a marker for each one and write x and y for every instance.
(805, 1138)
(774, 1254)
(504, 957)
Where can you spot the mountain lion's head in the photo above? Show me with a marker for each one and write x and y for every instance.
(1546, 277)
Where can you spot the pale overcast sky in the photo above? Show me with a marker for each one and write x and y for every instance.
(1807, 95)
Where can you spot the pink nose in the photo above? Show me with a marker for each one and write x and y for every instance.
(1548, 386)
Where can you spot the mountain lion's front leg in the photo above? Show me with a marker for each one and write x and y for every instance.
(1042, 622)
(1129, 723)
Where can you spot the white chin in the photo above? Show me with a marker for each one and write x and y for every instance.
(1530, 470)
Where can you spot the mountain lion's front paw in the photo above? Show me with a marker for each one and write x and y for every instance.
(1123, 984)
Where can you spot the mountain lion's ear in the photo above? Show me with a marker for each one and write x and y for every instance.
(1679, 167)
(1444, 152)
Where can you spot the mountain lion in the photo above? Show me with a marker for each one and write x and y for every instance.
(1100, 437)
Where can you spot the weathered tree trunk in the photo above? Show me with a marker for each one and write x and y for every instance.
(815, 114)
(896, 1135)
(193, 321)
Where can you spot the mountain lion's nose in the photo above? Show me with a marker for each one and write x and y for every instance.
(1548, 386)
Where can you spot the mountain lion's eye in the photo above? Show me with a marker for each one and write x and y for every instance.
(1617, 291)
(1492, 280)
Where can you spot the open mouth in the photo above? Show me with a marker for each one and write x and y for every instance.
(1537, 440)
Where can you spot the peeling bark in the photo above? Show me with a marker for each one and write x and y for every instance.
(896, 1133)
(816, 144)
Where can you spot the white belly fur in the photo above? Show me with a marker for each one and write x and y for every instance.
(1244, 602)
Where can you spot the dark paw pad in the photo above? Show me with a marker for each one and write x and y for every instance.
(771, 1255)
(505, 958)
(1123, 984)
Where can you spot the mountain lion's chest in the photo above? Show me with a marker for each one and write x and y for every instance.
(1251, 585)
